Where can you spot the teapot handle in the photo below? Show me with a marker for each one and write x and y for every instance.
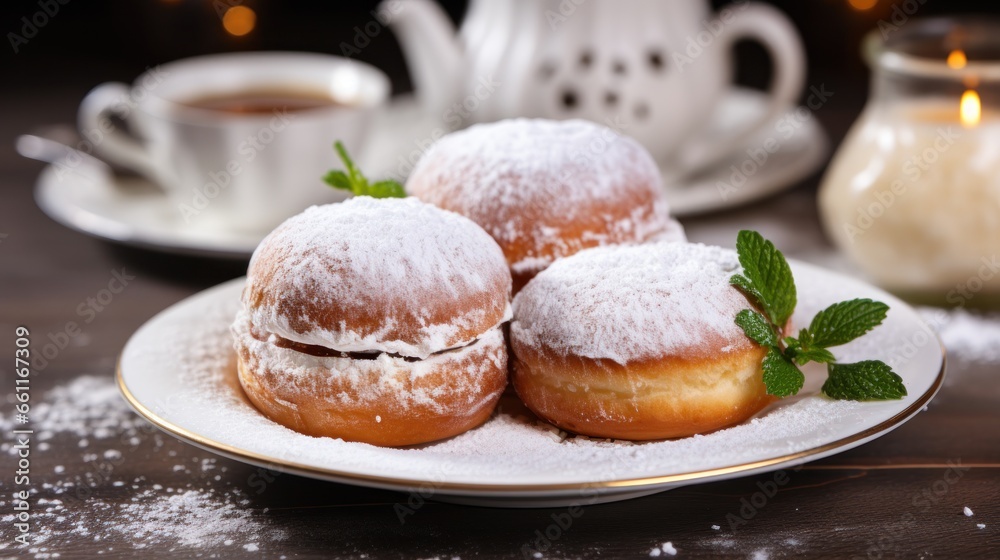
(431, 49)
(773, 30)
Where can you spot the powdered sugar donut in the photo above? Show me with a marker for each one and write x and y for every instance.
(637, 342)
(547, 189)
(377, 321)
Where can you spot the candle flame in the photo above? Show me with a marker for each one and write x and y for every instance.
(956, 59)
(970, 108)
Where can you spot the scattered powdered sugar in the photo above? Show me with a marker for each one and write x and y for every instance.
(542, 187)
(89, 407)
(392, 275)
(185, 519)
(70, 509)
(193, 518)
(188, 349)
(628, 303)
(972, 336)
(778, 543)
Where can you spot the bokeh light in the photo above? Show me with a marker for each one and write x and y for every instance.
(970, 108)
(956, 59)
(239, 20)
(862, 4)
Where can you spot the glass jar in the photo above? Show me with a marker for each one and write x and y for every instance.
(913, 193)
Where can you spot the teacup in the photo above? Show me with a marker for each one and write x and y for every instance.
(239, 141)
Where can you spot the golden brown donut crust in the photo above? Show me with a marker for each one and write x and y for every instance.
(652, 399)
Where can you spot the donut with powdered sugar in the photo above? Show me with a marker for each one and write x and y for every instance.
(637, 342)
(377, 321)
(546, 189)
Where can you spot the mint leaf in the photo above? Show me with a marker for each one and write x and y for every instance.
(766, 276)
(756, 327)
(768, 284)
(804, 356)
(781, 377)
(338, 180)
(747, 287)
(843, 322)
(805, 338)
(870, 380)
(354, 181)
(387, 189)
(352, 170)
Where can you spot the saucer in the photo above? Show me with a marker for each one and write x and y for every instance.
(133, 211)
(799, 147)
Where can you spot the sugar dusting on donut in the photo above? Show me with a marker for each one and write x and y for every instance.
(391, 275)
(379, 382)
(545, 189)
(633, 303)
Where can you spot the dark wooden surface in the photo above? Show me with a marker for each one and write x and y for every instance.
(855, 504)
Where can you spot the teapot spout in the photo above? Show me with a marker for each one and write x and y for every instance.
(431, 47)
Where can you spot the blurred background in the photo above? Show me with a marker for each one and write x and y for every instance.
(92, 42)
(47, 270)
(87, 43)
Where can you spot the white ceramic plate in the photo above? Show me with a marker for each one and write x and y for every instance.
(137, 213)
(178, 371)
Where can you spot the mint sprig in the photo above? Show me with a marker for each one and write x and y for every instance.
(355, 182)
(863, 381)
(768, 284)
(781, 376)
(766, 277)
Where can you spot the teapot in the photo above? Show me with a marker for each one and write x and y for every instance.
(651, 69)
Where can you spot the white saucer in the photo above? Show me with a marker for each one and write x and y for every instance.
(178, 371)
(800, 148)
(135, 212)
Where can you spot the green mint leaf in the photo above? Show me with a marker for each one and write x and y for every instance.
(387, 189)
(781, 377)
(746, 286)
(870, 380)
(805, 338)
(821, 355)
(353, 172)
(338, 180)
(768, 284)
(354, 181)
(843, 322)
(756, 327)
(770, 277)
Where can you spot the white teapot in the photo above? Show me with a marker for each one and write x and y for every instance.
(652, 69)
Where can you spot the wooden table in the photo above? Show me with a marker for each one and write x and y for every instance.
(881, 500)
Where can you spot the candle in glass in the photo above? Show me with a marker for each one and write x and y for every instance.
(913, 194)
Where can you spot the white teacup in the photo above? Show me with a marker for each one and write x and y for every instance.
(229, 170)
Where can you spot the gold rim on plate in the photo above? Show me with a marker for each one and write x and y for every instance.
(500, 489)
